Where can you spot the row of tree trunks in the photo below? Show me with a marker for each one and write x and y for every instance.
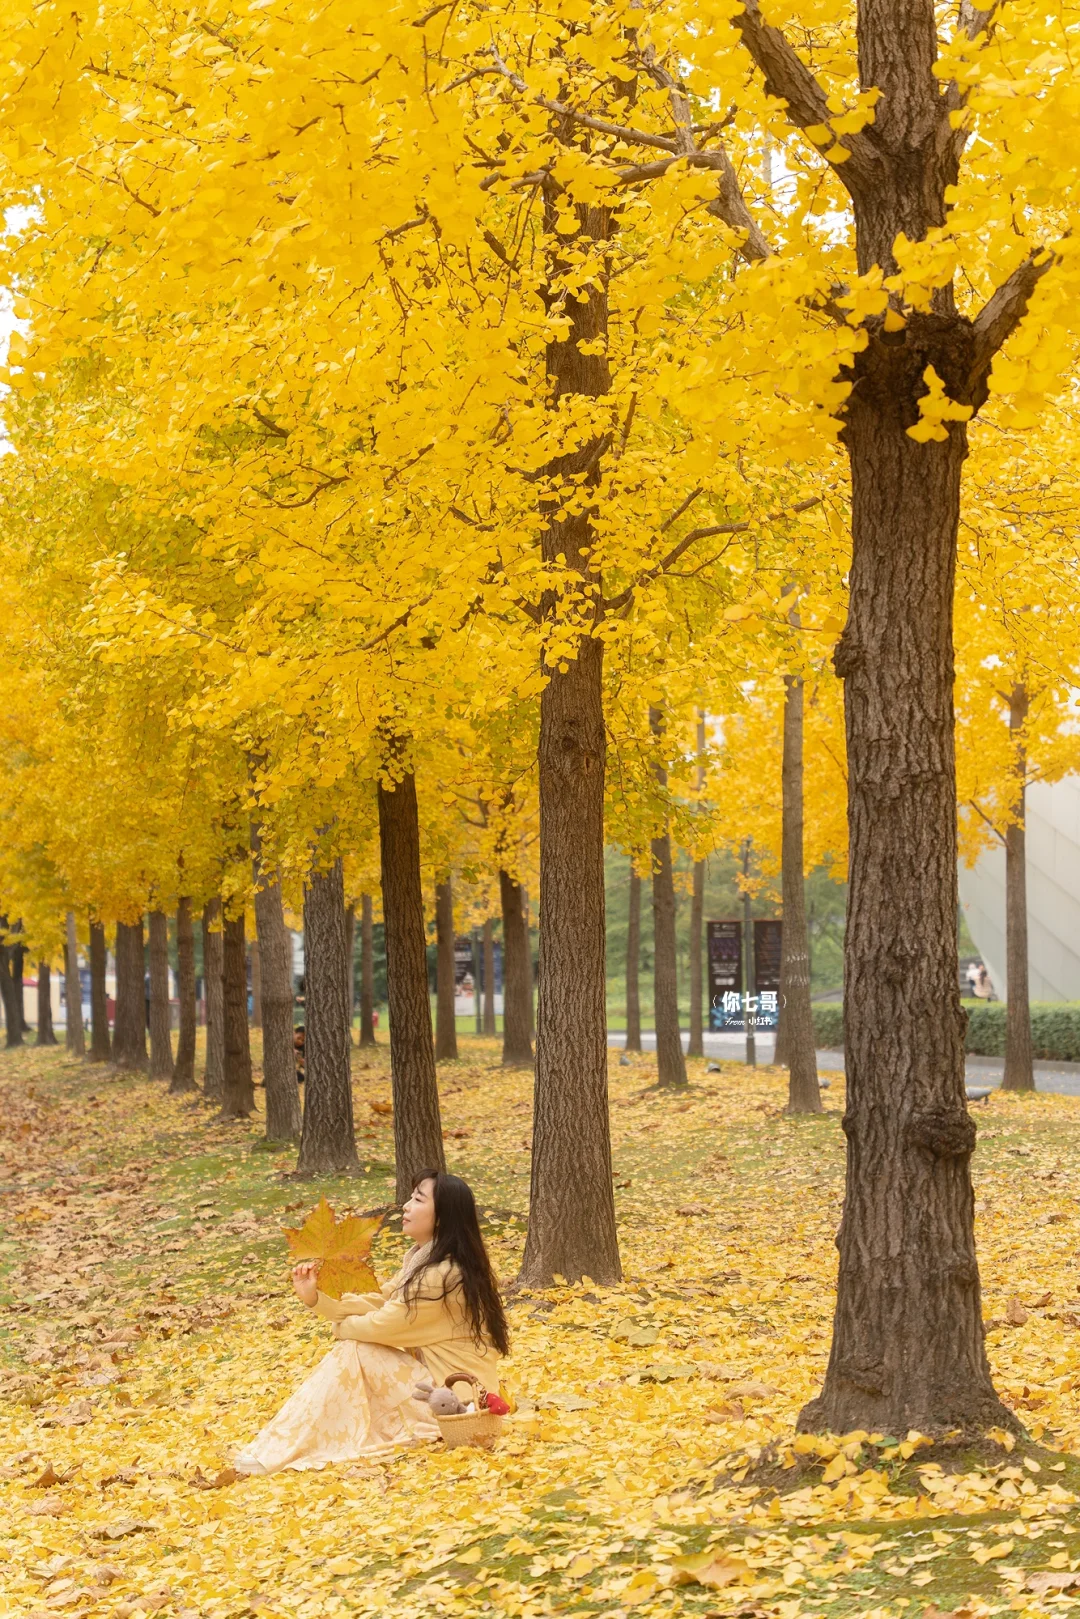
(11, 984)
(255, 954)
(795, 1045)
(367, 973)
(445, 1013)
(670, 1062)
(100, 1042)
(161, 1056)
(213, 993)
(75, 1038)
(633, 961)
(129, 1027)
(237, 1089)
(517, 1049)
(283, 1116)
(1019, 1060)
(490, 1027)
(45, 1035)
(327, 1142)
(183, 1074)
(418, 1143)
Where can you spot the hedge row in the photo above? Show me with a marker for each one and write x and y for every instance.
(1055, 1029)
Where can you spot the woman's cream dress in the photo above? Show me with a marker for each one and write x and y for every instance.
(358, 1402)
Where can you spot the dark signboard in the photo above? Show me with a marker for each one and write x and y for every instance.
(727, 1002)
(463, 964)
(725, 975)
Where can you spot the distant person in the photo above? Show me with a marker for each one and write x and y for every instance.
(984, 989)
(972, 976)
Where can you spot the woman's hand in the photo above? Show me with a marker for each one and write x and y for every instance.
(303, 1280)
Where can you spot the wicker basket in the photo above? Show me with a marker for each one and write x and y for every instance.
(477, 1427)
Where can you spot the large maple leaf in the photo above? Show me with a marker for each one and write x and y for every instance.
(342, 1247)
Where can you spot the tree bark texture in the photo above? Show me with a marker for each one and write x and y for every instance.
(489, 979)
(908, 1348)
(418, 1143)
(45, 1035)
(517, 1049)
(213, 993)
(633, 963)
(11, 986)
(256, 984)
(367, 973)
(571, 1214)
(350, 957)
(100, 1042)
(183, 1074)
(908, 1345)
(328, 1142)
(75, 1039)
(445, 1014)
(670, 1062)
(237, 1090)
(1019, 1066)
(161, 1058)
(283, 1117)
(696, 1045)
(129, 1030)
(797, 1047)
(572, 1206)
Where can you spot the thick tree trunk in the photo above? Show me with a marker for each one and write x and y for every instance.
(572, 1218)
(256, 983)
(45, 1035)
(367, 974)
(670, 1062)
(129, 1031)
(283, 1118)
(328, 1142)
(696, 1046)
(1019, 1066)
(795, 1036)
(517, 1049)
(418, 1141)
(100, 1043)
(633, 963)
(183, 1074)
(161, 1057)
(445, 1014)
(213, 993)
(237, 1090)
(572, 1205)
(75, 1039)
(489, 979)
(908, 1348)
(350, 958)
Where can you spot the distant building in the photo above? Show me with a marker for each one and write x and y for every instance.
(1053, 893)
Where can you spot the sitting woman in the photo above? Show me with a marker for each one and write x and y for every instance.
(440, 1314)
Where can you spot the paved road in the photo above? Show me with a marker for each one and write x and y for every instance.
(1063, 1079)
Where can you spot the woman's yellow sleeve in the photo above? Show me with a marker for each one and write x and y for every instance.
(398, 1325)
(349, 1304)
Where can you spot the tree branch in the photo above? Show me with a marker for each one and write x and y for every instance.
(789, 79)
(624, 597)
(1001, 314)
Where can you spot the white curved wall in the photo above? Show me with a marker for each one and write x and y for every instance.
(1053, 879)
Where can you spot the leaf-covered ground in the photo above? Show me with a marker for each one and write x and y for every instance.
(148, 1329)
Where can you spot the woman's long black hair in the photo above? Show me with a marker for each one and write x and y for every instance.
(457, 1238)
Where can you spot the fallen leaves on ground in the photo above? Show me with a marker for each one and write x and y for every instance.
(145, 1284)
